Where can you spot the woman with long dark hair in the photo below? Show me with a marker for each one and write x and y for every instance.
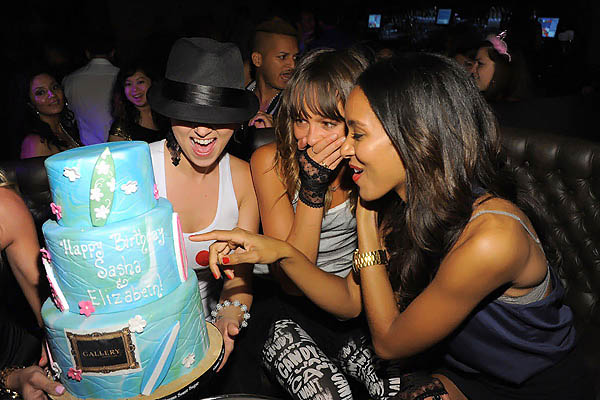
(133, 118)
(446, 257)
(49, 125)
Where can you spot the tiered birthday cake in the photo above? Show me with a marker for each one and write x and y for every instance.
(125, 318)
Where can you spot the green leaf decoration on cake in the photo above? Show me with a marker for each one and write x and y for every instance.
(102, 189)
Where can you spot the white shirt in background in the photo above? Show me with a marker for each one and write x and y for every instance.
(88, 91)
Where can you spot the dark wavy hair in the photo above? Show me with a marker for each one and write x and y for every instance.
(447, 137)
(321, 81)
(124, 110)
(32, 124)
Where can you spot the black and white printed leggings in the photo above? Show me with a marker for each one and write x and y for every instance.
(303, 369)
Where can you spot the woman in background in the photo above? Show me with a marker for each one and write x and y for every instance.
(133, 119)
(501, 73)
(49, 126)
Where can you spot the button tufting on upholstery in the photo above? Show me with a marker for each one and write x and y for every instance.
(561, 173)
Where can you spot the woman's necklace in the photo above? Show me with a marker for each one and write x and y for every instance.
(336, 187)
(270, 101)
(71, 142)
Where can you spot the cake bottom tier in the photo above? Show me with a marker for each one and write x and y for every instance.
(129, 353)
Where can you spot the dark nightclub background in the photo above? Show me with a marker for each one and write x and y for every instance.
(565, 65)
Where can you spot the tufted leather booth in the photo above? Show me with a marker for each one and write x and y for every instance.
(563, 174)
(31, 180)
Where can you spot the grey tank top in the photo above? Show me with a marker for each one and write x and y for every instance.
(338, 240)
(538, 292)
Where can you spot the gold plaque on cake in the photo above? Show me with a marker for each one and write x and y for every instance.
(103, 352)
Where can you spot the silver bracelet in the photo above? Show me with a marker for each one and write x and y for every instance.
(216, 316)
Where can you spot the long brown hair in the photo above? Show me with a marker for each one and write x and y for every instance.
(448, 139)
(320, 83)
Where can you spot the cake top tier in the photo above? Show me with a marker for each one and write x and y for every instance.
(101, 184)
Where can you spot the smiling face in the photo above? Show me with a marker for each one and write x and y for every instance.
(484, 68)
(46, 95)
(136, 86)
(202, 144)
(377, 166)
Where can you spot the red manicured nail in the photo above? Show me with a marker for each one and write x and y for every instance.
(225, 260)
(229, 273)
(215, 275)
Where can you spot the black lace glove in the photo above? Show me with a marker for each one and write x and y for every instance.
(314, 180)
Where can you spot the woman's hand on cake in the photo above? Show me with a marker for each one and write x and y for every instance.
(229, 328)
(33, 384)
(239, 246)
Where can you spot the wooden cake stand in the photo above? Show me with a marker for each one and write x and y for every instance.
(185, 386)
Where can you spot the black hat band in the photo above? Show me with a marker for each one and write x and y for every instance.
(204, 95)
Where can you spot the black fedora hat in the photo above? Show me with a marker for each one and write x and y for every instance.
(204, 82)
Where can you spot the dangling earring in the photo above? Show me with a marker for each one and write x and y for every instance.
(174, 148)
(33, 109)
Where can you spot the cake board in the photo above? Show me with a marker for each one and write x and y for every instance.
(185, 386)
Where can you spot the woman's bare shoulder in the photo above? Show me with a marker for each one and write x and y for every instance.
(493, 240)
(12, 213)
(238, 166)
(34, 146)
(262, 159)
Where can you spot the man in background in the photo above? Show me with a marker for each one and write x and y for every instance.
(88, 90)
(274, 54)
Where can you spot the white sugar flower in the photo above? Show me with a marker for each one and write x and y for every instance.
(103, 168)
(71, 173)
(129, 187)
(102, 212)
(111, 184)
(137, 324)
(189, 360)
(96, 194)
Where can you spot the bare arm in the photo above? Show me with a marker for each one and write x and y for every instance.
(239, 288)
(18, 238)
(336, 295)
(301, 229)
(488, 259)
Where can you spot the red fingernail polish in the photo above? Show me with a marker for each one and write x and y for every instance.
(225, 260)
(215, 275)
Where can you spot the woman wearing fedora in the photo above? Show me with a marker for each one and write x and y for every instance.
(203, 96)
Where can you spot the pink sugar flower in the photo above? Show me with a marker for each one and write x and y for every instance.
(74, 374)
(46, 254)
(155, 191)
(56, 210)
(86, 308)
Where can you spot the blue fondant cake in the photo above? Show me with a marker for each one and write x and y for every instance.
(125, 316)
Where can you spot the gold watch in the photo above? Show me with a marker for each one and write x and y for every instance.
(362, 260)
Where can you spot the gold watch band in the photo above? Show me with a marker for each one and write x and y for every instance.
(370, 258)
